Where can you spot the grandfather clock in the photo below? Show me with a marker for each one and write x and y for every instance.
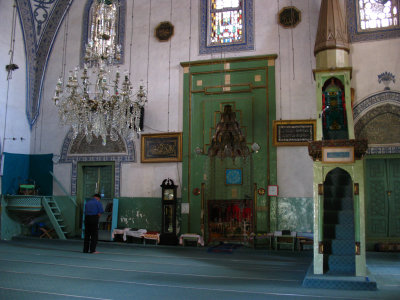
(168, 205)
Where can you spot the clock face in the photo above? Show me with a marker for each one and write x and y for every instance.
(168, 194)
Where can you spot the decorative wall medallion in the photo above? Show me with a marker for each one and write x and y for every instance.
(233, 176)
(289, 17)
(40, 23)
(386, 78)
(196, 191)
(164, 31)
(261, 191)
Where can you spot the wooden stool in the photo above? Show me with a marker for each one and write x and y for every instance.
(46, 233)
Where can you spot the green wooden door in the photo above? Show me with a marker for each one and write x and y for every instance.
(98, 179)
(383, 198)
(393, 166)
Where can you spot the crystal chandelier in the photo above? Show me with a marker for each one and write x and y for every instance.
(105, 106)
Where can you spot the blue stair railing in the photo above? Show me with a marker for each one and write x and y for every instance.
(54, 213)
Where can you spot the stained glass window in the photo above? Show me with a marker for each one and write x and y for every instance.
(226, 21)
(226, 25)
(378, 14)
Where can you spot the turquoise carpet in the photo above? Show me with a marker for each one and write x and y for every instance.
(54, 269)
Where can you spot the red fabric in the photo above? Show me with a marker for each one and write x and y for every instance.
(323, 110)
(247, 213)
(236, 212)
(344, 109)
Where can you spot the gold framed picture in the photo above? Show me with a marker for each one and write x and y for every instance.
(161, 147)
(294, 132)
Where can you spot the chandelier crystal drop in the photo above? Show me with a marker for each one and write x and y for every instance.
(95, 100)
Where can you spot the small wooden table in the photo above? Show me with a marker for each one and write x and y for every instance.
(191, 237)
(289, 240)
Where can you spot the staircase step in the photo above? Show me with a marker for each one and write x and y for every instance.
(340, 247)
(337, 179)
(341, 263)
(334, 191)
(338, 217)
(342, 232)
(338, 281)
(338, 203)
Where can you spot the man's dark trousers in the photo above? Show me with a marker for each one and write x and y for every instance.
(91, 233)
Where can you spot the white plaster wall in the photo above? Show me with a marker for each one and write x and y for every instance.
(157, 66)
(63, 173)
(14, 127)
(296, 95)
(369, 59)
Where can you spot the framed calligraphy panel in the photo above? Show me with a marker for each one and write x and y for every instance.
(294, 132)
(161, 147)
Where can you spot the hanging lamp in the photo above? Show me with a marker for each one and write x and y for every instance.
(228, 140)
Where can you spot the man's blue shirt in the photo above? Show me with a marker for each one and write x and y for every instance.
(93, 207)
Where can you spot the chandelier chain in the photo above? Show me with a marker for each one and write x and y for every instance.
(131, 42)
(64, 49)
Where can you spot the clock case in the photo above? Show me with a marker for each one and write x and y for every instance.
(168, 205)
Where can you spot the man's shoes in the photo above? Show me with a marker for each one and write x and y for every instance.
(94, 252)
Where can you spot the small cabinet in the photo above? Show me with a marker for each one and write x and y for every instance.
(107, 221)
(168, 206)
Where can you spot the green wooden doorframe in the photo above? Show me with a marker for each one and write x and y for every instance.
(79, 188)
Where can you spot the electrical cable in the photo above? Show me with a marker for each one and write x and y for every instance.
(9, 75)
(280, 68)
(148, 53)
(169, 70)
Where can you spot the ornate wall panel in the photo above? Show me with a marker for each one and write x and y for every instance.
(377, 118)
(40, 21)
(74, 151)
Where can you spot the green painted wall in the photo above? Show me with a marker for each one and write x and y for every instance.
(355, 170)
(68, 210)
(143, 213)
(295, 214)
(248, 84)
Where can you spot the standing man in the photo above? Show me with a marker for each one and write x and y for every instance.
(93, 210)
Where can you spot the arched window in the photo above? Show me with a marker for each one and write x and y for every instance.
(226, 25)
(103, 27)
(373, 19)
(226, 22)
(378, 14)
